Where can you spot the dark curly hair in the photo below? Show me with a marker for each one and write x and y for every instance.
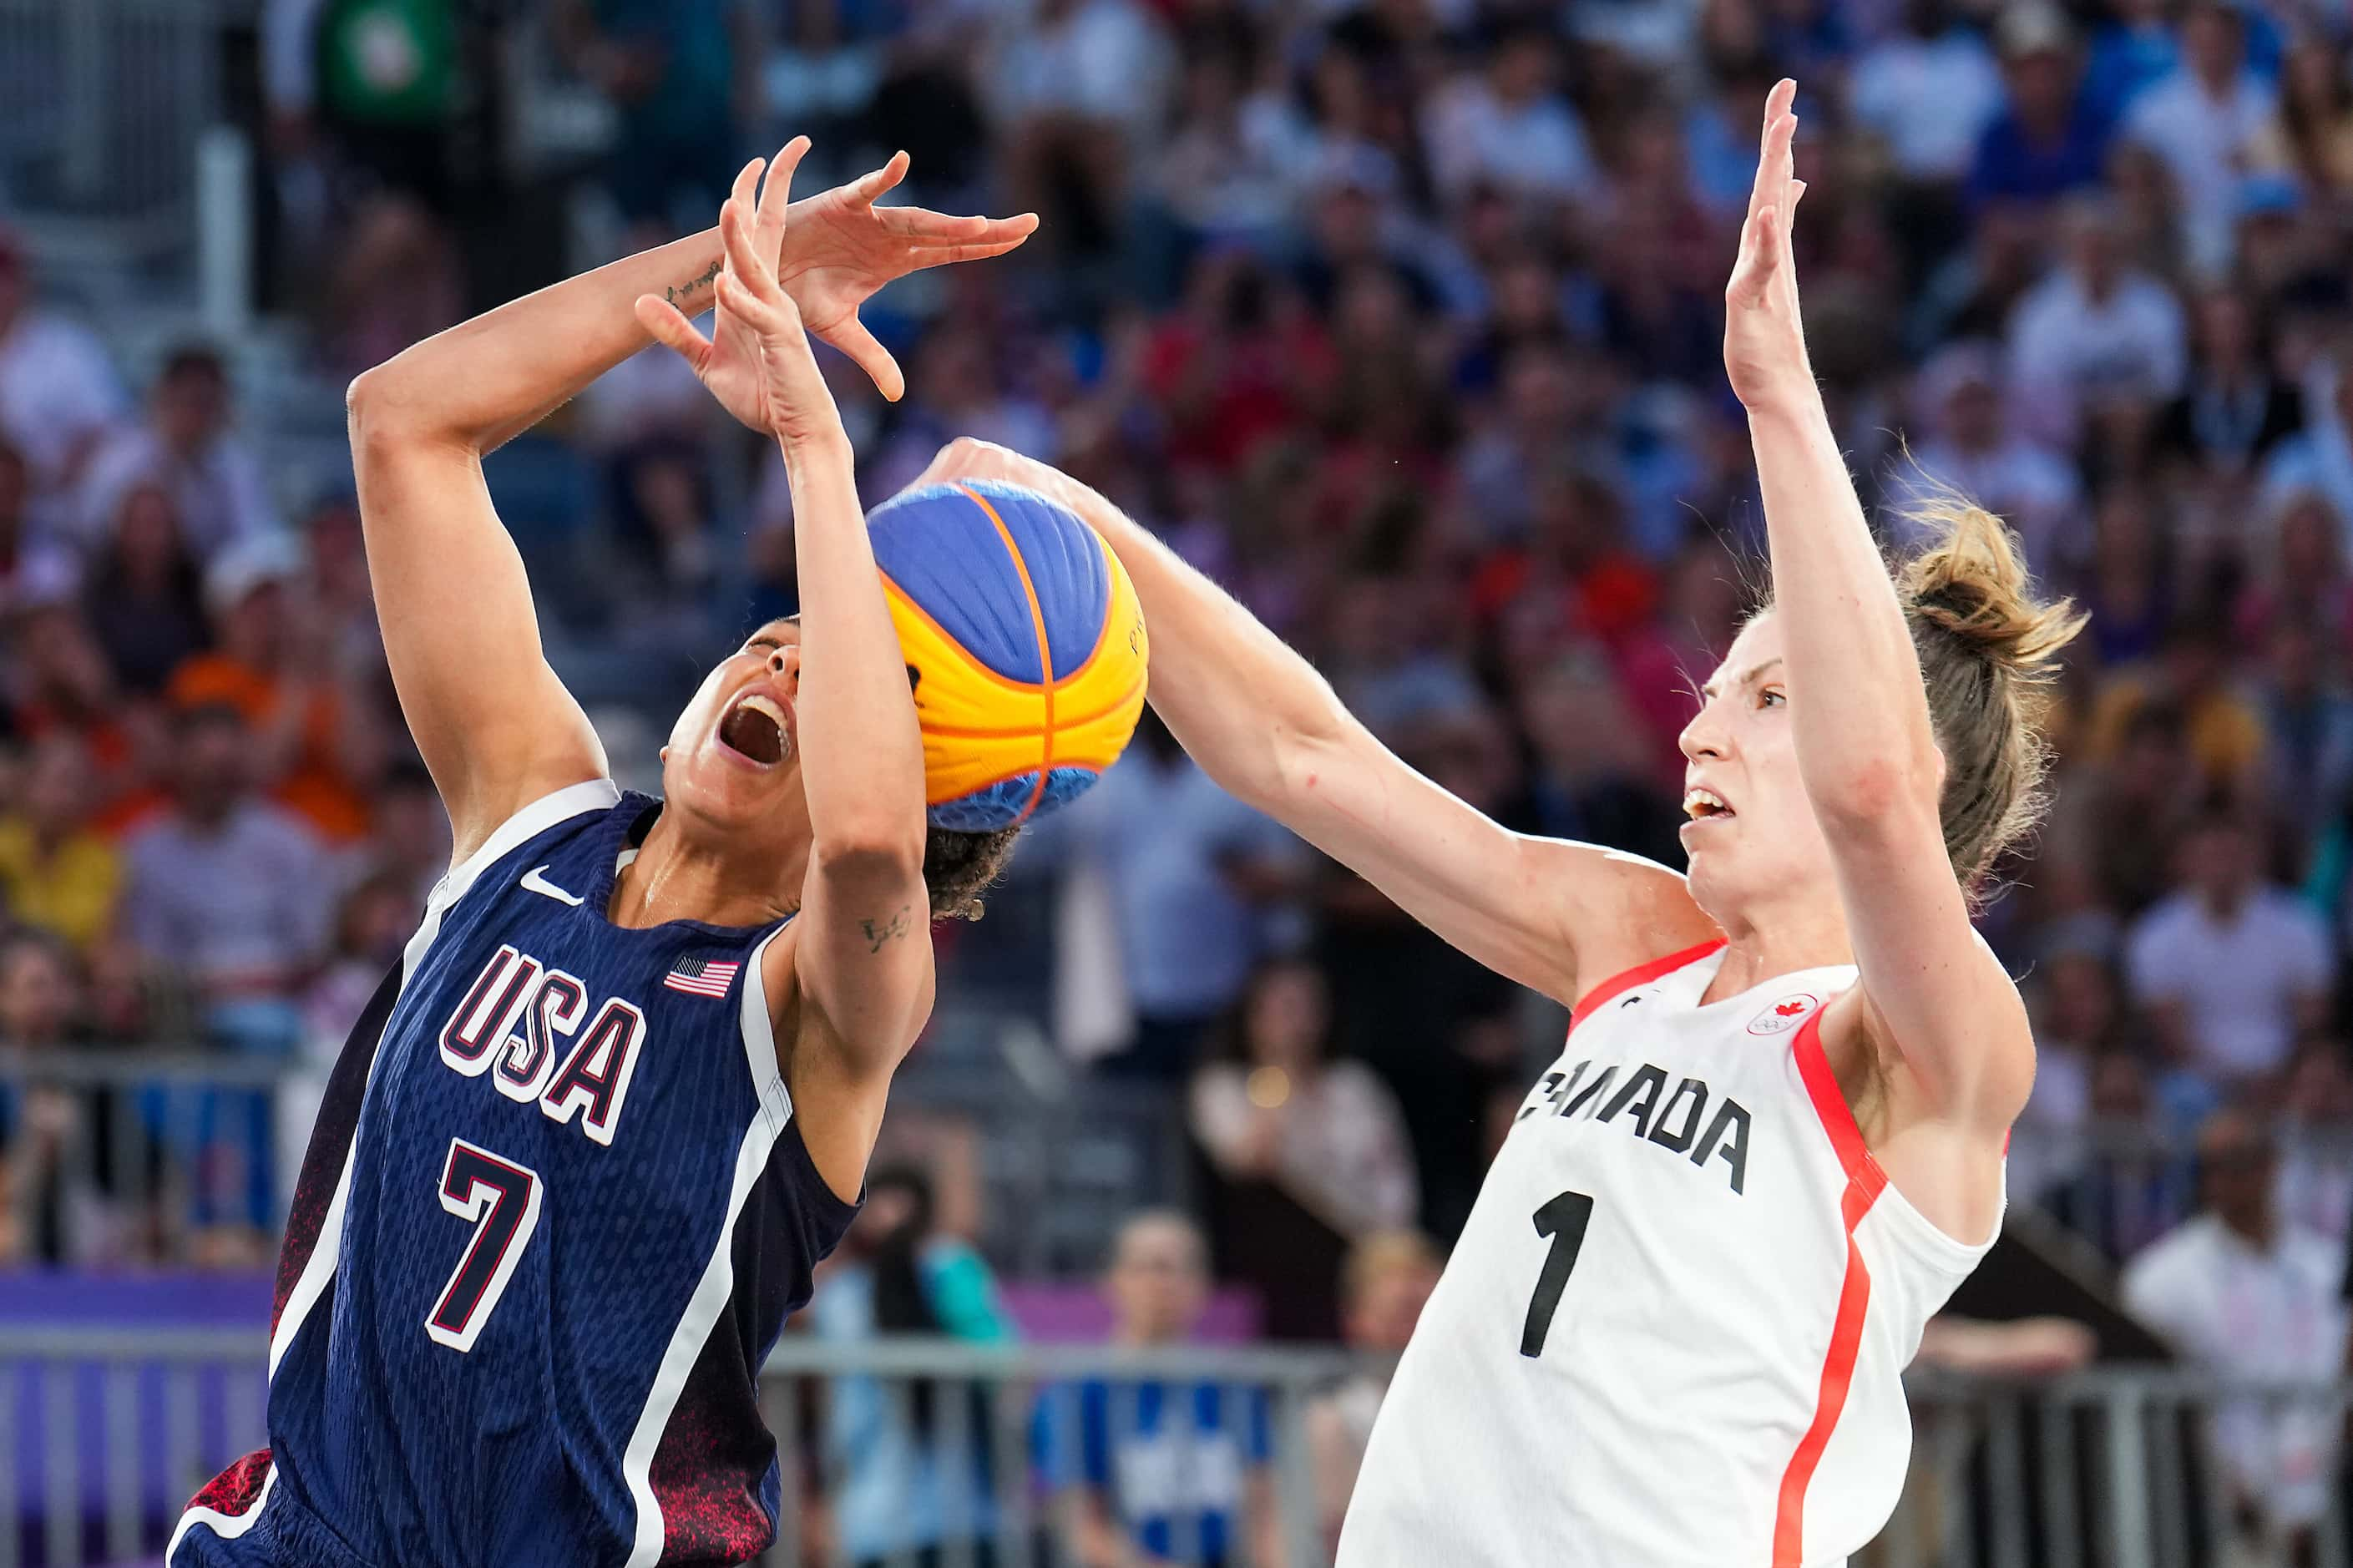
(959, 867)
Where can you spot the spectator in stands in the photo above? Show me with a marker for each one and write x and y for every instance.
(2243, 1292)
(2134, 47)
(1308, 1154)
(1389, 1276)
(59, 392)
(374, 921)
(40, 994)
(684, 79)
(1930, 90)
(2308, 768)
(2095, 330)
(2192, 676)
(409, 841)
(143, 597)
(56, 874)
(1158, 1468)
(2049, 137)
(2231, 968)
(229, 889)
(2128, 1187)
(51, 1203)
(2206, 118)
(2311, 137)
(2320, 455)
(309, 739)
(1509, 127)
(1597, 776)
(2078, 1014)
(186, 448)
(34, 568)
(1977, 450)
(2316, 1135)
(1192, 871)
(2236, 408)
(915, 1472)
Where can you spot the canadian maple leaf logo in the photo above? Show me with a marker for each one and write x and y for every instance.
(1789, 1009)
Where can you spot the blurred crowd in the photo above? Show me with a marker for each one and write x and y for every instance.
(1400, 318)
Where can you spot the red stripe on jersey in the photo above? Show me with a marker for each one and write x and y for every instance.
(1864, 1182)
(233, 1491)
(1641, 974)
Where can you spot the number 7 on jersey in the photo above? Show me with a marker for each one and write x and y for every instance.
(501, 1199)
(1563, 1219)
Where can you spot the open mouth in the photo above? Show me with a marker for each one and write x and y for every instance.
(1706, 806)
(755, 730)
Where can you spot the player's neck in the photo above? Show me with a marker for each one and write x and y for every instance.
(674, 877)
(1780, 941)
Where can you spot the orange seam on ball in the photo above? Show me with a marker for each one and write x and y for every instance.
(1045, 651)
(971, 661)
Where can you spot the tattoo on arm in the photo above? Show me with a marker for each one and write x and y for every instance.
(880, 933)
(692, 286)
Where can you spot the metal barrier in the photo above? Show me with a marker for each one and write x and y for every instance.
(105, 100)
(165, 1156)
(149, 1157)
(956, 1445)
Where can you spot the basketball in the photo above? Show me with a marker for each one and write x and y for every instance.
(1024, 642)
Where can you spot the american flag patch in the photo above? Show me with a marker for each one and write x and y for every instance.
(702, 976)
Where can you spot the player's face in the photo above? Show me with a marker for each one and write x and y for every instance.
(1749, 830)
(733, 757)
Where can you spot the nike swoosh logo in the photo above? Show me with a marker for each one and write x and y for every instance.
(532, 882)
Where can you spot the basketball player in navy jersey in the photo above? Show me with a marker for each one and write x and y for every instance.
(582, 1150)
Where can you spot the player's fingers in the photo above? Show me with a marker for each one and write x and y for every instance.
(850, 336)
(668, 326)
(778, 195)
(1760, 189)
(870, 186)
(745, 263)
(1777, 104)
(1005, 232)
(747, 181)
(924, 225)
(946, 255)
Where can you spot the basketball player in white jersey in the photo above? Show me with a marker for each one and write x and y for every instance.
(1672, 1328)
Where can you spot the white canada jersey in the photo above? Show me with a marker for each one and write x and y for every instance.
(1672, 1332)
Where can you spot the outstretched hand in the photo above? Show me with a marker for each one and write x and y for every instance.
(757, 361)
(1764, 338)
(841, 247)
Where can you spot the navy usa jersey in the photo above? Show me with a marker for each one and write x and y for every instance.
(554, 1213)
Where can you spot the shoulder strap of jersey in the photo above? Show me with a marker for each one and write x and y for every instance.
(548, 811)
(1641, 974)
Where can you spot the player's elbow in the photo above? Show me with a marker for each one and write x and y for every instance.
(384, 412)
(870, 851)
(1871, 794)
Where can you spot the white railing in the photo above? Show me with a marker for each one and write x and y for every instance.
(111, 1431)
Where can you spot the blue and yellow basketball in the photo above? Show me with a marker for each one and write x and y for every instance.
(1025, 642)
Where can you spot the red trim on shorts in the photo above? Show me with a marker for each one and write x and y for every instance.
(1641, 974)
(1864, 1182)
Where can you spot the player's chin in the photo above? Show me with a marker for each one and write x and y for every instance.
(722, 786)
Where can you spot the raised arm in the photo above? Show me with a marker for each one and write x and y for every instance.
(1259, 720)
(853, 982)
(1935, 1001)
(494, 725)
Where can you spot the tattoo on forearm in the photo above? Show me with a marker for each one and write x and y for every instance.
(693, 285)
(880, 933)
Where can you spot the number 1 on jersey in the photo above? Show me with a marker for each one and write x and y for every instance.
(1563, 1219)
(501, 1199)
